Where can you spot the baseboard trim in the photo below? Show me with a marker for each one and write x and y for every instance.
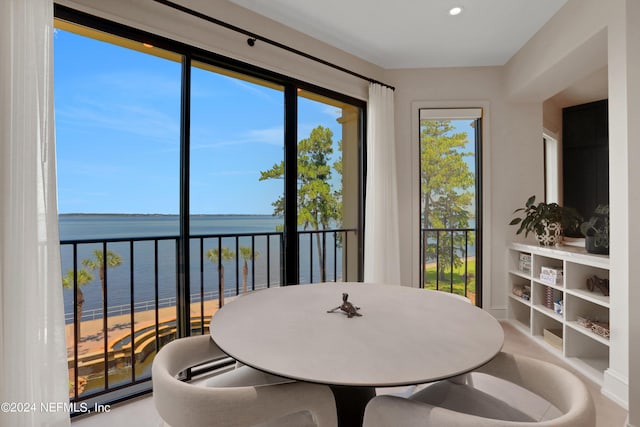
(616, 388)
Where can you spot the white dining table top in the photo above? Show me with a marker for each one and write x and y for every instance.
(404, 336)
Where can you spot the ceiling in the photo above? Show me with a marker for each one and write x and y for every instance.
(594, 87)
(416, 33)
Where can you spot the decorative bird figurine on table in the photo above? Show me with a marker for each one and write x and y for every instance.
(349, 309)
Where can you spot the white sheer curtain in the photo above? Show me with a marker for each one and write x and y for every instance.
(382, 247)
(33, 359)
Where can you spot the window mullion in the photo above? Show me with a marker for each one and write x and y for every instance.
(182, 291)
(291, 242)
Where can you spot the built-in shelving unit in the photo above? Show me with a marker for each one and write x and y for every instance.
(542, 308)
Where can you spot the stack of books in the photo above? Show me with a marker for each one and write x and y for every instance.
(548, 297)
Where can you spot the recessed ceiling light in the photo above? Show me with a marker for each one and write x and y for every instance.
(455, 11)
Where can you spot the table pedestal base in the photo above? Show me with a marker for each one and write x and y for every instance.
(350, 404)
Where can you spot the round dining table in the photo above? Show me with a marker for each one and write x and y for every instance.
(396, 336)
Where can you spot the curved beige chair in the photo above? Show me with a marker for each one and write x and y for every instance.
(236, 403)
(448, 403)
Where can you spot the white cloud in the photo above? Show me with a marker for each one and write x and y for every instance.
(131, 119)
(333, 112)
(270, 136)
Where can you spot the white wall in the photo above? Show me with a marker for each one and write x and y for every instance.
(512, 161)
(567, 49)
(624, 110)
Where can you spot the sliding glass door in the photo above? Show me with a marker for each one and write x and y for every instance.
(236, 219)
(328, 178)
(186, 179)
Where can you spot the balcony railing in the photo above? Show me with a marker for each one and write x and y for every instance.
(448, 260)
(118, 321)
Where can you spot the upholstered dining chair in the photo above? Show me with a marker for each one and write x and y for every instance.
(450, 403)
(241, 397)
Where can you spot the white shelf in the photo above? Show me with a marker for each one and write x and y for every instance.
(586, 351)
(588, 332)
(520, 273)
(540, 282)
(594, 297)
(548, 312)
(566, 253)
(520, 300)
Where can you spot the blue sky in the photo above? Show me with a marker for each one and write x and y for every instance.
(118, 124)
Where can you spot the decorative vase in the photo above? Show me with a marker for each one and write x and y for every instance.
(596, 245)
(551, 234)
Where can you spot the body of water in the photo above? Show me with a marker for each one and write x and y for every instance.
(146, 261)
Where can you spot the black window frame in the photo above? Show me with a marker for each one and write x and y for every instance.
(291, 85)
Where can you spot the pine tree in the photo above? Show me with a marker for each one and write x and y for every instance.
(319, 205)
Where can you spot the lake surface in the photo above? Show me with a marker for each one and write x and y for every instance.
(135, 277)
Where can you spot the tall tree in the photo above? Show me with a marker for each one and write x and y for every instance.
(98, 263)
(318, 203)
(248, 254)
(446, 186)
(217, 258)
(83, 278)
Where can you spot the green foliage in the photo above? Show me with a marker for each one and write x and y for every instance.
(535, 217)
(248, 254)
(446, 186)
(452, 282)
(98, 263)
(216, 257)
(319, 205)
(84, 277)
(214, 254)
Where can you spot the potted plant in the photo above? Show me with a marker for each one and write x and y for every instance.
(545, 220)
(596, 231)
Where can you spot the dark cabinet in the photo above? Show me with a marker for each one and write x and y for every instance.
(585, 156)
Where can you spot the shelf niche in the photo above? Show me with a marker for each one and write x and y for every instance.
(581, 346)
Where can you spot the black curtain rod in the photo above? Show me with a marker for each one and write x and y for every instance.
(253, 37)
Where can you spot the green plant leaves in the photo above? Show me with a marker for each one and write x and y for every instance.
(536, 216)
(530, 201)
